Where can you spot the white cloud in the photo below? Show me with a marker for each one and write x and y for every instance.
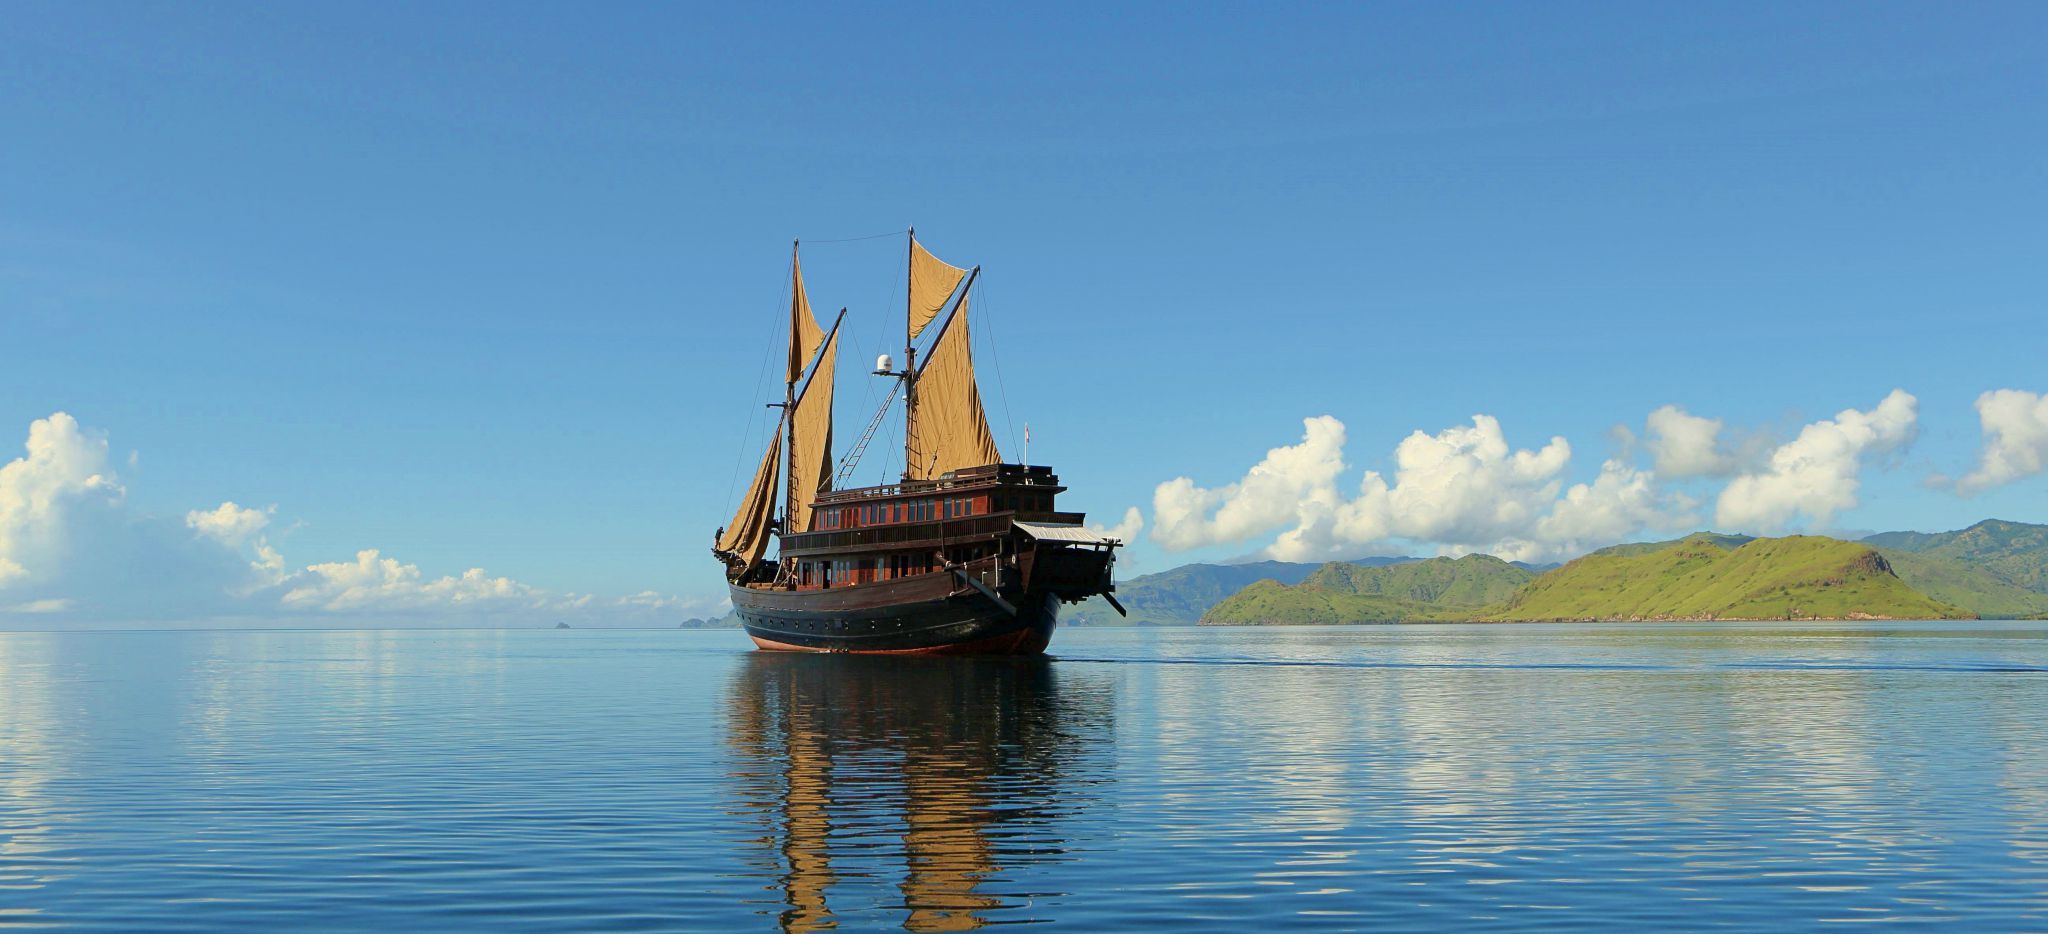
(1686, 445)
(1462, 489)
(1817, 473)
(1621, 501)
(2015, 439)
(1465, 487)
(374, 582)
(1292, 484)
(1125, 530)
(64, 469)
(40, 606)
(228, 523)
(72, 548)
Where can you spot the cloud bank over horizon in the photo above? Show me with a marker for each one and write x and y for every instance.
(1466, 489)
(72, 550)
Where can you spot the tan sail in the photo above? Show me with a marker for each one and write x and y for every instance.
(810, 453)
(948, 428)
(804, 333)
(746, 539)
(932, 281)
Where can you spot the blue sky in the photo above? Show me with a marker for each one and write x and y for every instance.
(474, 285)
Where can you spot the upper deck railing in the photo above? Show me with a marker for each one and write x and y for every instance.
(964, 478)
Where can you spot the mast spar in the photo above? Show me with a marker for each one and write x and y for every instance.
(909, 344)
(930, 282)
(807, 415)
(796, 298)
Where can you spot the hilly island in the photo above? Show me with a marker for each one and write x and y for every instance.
(1994, 569)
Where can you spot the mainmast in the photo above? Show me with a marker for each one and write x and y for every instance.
(909, 344)
(796, 296)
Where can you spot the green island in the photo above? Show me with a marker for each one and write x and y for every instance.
(1419, 591)
(1994, 569)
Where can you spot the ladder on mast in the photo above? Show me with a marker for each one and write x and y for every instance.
(852, 458)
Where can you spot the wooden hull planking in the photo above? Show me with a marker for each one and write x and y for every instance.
(930, 614)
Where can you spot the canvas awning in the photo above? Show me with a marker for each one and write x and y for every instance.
(1079, 535)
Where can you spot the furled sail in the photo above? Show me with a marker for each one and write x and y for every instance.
(804, 333)
(932, 281)
(948, 428)
(745, 540)
(810, 453)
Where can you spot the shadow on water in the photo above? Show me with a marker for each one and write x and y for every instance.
(939, 775)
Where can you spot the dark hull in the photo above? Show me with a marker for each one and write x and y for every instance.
(921, 615)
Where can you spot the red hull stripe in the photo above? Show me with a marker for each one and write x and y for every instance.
(1027, 641)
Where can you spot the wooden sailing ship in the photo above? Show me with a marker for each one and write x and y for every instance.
(967, 554)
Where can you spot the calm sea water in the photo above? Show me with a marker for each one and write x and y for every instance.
(1675, 775)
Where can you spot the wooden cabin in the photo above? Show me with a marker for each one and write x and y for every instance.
(881, 533)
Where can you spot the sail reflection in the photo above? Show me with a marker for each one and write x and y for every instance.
(944, 773)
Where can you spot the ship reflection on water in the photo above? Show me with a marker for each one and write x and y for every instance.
(908, 787)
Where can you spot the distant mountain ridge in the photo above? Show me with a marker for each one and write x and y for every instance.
(1413, 591)
(1180, 596)
(1996, 568)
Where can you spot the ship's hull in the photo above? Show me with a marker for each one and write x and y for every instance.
(916, 616)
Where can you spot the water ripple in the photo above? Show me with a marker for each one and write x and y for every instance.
(1411, 777)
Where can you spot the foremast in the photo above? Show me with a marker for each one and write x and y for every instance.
(803, 434)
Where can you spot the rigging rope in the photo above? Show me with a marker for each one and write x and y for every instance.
(767, 354)
(988, 319)
(893, 233)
